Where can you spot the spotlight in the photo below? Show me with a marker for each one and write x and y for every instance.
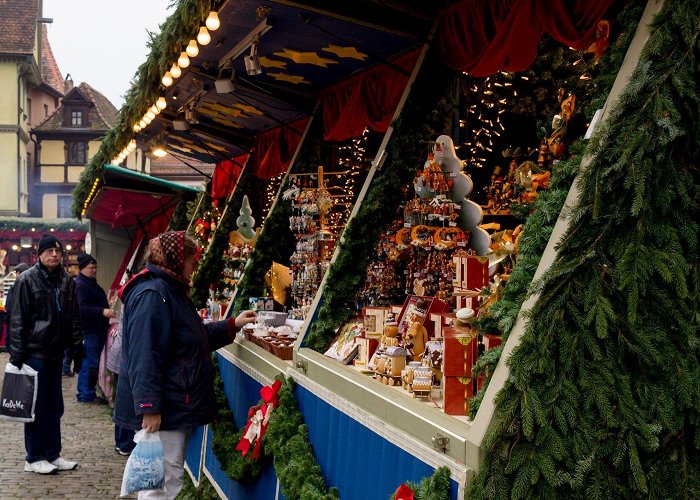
(226, 82)
(192, 115)
(158, 148)
(252, 61)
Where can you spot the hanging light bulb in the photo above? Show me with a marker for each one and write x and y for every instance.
(155, 109)
(212, 21)
(142, 124)
(203, 37)
(167, 79)
(192, 49)
(175, 71)
(137, 127)
(161, 103)
(150, 114)
(183, 61)
(147, 120)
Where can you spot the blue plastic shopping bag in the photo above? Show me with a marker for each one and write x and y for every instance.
(145, 468)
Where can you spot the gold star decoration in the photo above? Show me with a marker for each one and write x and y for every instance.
(305, 58)
(282, 77)
(250, 110)
(349, 52)
(268, 63)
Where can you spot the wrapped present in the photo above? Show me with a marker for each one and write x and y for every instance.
(456, 394)
(460, 351)
(490, 341)
(471, 275)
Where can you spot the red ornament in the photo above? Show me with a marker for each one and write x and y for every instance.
(258, 418)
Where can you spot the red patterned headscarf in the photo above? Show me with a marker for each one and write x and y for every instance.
(168, 254)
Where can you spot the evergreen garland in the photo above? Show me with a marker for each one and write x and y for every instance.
(20, 224)
(435, 487)
(603, 397)
(426, 115)
(180, 219)
(287, 440)
(226, 438)
(189, 491)
(175, 33)
(543, 214)
(275, 244)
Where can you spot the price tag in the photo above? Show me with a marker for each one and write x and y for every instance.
(406, 224)
(453, 174)
(431, 216)
(418, 189)
(453, 224)
(461, 243)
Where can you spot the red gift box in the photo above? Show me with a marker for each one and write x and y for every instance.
(460, 351)
(440, 321)
(491, 341)
(457, 392)
(471, 275)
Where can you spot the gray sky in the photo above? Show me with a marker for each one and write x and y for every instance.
(103, 42)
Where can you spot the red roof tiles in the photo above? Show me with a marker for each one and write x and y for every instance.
(18, 26)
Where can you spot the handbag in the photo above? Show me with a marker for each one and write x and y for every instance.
(114, 349)
(19, 389)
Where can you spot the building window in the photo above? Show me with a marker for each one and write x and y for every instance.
(76, 118)
(65, 203)
(46, 110)
(77, 153)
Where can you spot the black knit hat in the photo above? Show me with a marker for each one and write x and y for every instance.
(85, 259)
(49, 241)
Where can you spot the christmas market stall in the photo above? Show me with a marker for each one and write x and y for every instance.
(464, 228)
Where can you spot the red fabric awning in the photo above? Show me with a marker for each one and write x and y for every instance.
(482, 37)
(368, 99)
(121, 207)
(274, 149)
(226, 176)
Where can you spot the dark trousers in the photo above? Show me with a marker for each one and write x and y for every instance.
(42, 438)
(89, 371)
(124, 438)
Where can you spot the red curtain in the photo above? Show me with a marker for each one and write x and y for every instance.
(226, 176)
(368, 99)
(155, 225)
(482, 37)
(273, 149)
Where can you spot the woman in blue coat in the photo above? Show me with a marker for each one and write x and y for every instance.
(166, 376)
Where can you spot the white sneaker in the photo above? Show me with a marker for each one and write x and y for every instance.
(40, 467)
(63, 464)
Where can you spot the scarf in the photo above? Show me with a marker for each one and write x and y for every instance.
(168, 254)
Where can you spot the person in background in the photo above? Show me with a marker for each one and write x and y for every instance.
(19, 269)
(44, 322)
(95, 314)
(166, 377)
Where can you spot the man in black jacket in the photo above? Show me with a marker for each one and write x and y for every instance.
(95, 314)
(44, 321)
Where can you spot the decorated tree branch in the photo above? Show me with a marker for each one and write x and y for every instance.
(603, 400)
(435, 487)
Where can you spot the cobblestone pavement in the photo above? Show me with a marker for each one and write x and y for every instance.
(87, 437)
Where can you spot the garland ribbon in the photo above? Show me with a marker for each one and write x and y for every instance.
(258, 418)
(404, 493)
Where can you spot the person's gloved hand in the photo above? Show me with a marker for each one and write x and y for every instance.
(18, 362)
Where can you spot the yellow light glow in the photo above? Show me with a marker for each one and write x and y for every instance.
(161, 103)
(183, 61)
(192, 49)
(212, 21)
(203, 37)
(175, 71)
(167, 79)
